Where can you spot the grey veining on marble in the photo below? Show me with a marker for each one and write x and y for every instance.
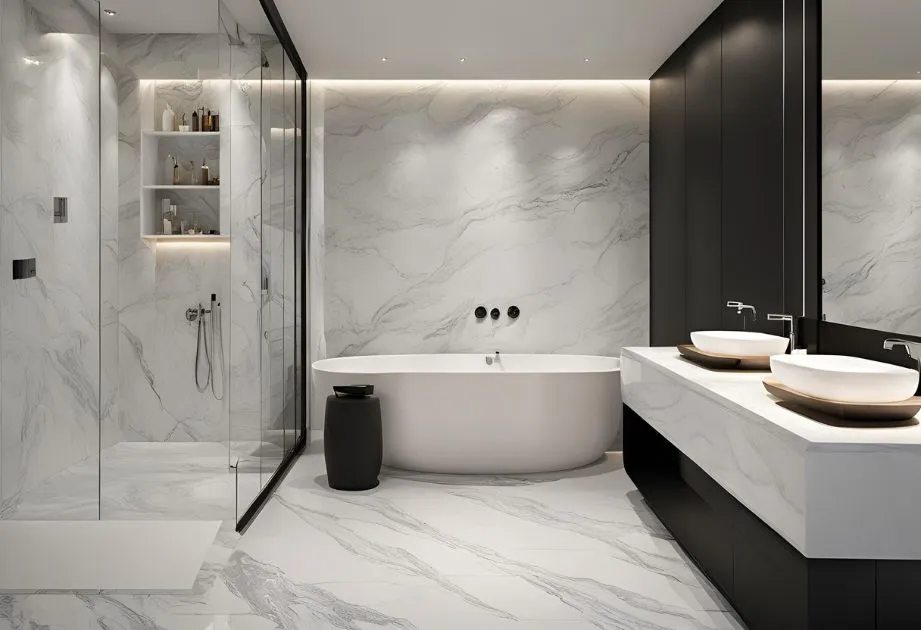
(50, 325)
(443, 196)
(158, 399)
(871, 231)
(814, 482)
(573, 551)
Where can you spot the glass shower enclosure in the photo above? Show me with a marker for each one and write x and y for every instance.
(152, 281)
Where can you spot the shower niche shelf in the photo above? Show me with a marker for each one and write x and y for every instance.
(187, 238)
(195, 202)
(181, 187)
(183, 134)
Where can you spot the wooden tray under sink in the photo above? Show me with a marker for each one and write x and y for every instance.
(723, 361)
(857, 412)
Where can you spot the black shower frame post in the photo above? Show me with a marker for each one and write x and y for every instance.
(281, 32)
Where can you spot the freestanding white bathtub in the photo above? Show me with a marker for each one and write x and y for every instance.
(453, 413)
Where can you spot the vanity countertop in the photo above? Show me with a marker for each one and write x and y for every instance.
(831, 490)
(744, 393)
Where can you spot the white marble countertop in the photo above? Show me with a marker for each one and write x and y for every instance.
(831, 491)
(744, 393)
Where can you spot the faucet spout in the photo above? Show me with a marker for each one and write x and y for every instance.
(492, 358)
(741, 308)
(912, 349)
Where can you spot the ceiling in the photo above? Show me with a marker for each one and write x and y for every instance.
(499, 39)
(178, 16)
(871, 40)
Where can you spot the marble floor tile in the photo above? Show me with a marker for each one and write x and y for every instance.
(139, 480)
(563, 551)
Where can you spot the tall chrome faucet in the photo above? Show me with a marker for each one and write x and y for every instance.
(790, 332)
(490, 359)
(740, 310)
(912, 349)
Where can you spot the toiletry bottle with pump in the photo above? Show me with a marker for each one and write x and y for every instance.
(176, 179)
(169, 118)
(215, 121)
(205, 173)
(195, 126)
(167, 218)
(205, 119)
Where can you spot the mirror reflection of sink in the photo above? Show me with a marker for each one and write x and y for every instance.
(739, 343)
(845, 379)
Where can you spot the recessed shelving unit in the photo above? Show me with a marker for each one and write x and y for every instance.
(182, 134)
(195, 202)
(187, 238)
(180, 187)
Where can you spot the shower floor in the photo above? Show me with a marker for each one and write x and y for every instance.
(143, 481)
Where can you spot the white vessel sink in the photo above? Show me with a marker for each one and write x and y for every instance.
(846, 379)
(739, 343)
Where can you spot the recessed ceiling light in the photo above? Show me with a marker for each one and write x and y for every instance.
(32, 61)
(587, 60)
(384, 60)
(108, 12)
(463, 60)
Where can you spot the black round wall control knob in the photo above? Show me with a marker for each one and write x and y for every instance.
(495, 313)
(514, 312)
(480, 312)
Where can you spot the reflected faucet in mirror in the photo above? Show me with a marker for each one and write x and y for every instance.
(740, 310)
(912, 349)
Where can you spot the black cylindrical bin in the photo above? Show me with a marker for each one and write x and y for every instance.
(353, 438)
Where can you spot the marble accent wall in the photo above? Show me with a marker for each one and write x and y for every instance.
(871, 204)
(158, 399)
(50, 324)
(443, 196)
(246, 178)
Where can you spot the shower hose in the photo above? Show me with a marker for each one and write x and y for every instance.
(210, 355)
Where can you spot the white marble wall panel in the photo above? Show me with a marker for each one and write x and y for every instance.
(443, 196)
(158, 397)
(50, 324)
(317, 247)
(172, 56)
(246, 178)
(871, 194)
(109, 249)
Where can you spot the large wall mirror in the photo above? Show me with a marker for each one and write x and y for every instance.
(871, 164)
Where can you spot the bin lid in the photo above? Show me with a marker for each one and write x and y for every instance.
(353, 391)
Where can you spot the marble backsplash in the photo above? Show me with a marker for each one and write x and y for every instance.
(440, 197)
(871, 195)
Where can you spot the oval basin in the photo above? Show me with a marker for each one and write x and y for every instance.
(739, 343)
(846, 379)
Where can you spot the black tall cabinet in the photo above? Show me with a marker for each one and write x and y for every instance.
(717, 175)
